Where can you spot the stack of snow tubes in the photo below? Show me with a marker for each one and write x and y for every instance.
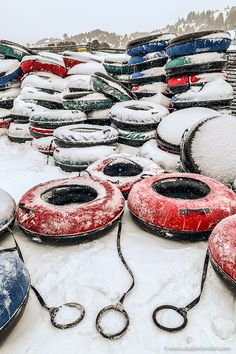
(147, 61)
(117, 66)
(195, 70)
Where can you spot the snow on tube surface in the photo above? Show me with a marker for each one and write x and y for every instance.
(199, 42)
(148, 61)
(181, 206)
(135, 138)
(74, 58)
(111, 87)
(124, 170)
(56, 118)
(99, 117)
(222, 250)
(19, 133)
(82, 135)
(45, 84)
(15, 287)
(7, 97)
(209, 148)
(9, 71)
(87, 68)
(79, 158)
(179, 84)
(172, 127)
(45, 145)
(149, 44)
(86, 101)
(196, 63)
(214, 93)
(43, 63)
(14, 50)
(32, 95)
(76, 209)
(141, 115)
(148, 76)
(117, 64)
(148, 90)
(7, 210)
(77, 83)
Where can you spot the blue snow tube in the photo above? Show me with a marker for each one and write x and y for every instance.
(4, 80)
(15, 286)
(142, 49)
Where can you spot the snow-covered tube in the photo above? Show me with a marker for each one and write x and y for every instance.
(149, 44)
(199, 42)
(78, 83)
(209, 148)
(117, 64)
(196, 63)
(124, 170)
(214, 93)
(148, 61)
(74, 58)
(149, 90)
(43, 63)
(179, 84)
(148, 76)
(110, 87)
(82, 208)
(9, 71)
(180, 206)
(137, 115)
(222, 250)
(7, 211)
(82, 135)
(5, 118)
(15, 287)
(172, 127)
(45, 145)
(19, 133)
(22, 110)
(86, 101)
(135, 138)
(56, 118)
(7, 97)
(79, 158)
(32, 95)
(99, 117)
(46, 84)
(14, 50)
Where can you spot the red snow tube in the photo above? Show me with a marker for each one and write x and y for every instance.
(222, 249)
(4, 123)
(76, 209)
(181, 206)
(39, 65)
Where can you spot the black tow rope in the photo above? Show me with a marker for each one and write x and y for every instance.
(52, 310)
(182, 310)
(119, 307)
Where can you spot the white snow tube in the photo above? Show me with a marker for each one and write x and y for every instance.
(209, 149)
(19, 133)
(137, 115)
(78, 159)
(124, 170)
(7, 210)
(169, 162)
(82, 135)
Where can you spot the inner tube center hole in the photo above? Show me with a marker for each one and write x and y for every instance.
(64, 195)
(122, 169)
(139, 108)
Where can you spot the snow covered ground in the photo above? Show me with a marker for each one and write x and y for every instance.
(166, 272)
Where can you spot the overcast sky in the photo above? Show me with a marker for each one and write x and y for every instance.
(30, 20)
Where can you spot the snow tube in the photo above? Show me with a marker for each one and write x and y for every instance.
(172, 127)
(149, 44)
(148, 76)
(5, 118)
(22, 110)
(180, 206)
(99, 117)
(79, 158)
(124, 170)
(7, 97)
(45, 145)
(214, 93)
(222, 250)
(199, 42)
(117, 64)
(196, 63)
(148, 61)
(82, 135)
(9, 71)
(86, 101)
(74, 58)
(14, 50)
(137, 115)
(110, 87)
(15, 287)
(135, 138)
(19, 133)
(209, 148)
(82, 208)
(78, 83)
(51, 85)
(43, 63)
(56, 118)
(149, 90)
(181, 84)
(7, 211)
(38, 133)
(32, 95)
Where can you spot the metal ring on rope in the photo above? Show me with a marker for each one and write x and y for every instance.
(181, 311)
(53, 311)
